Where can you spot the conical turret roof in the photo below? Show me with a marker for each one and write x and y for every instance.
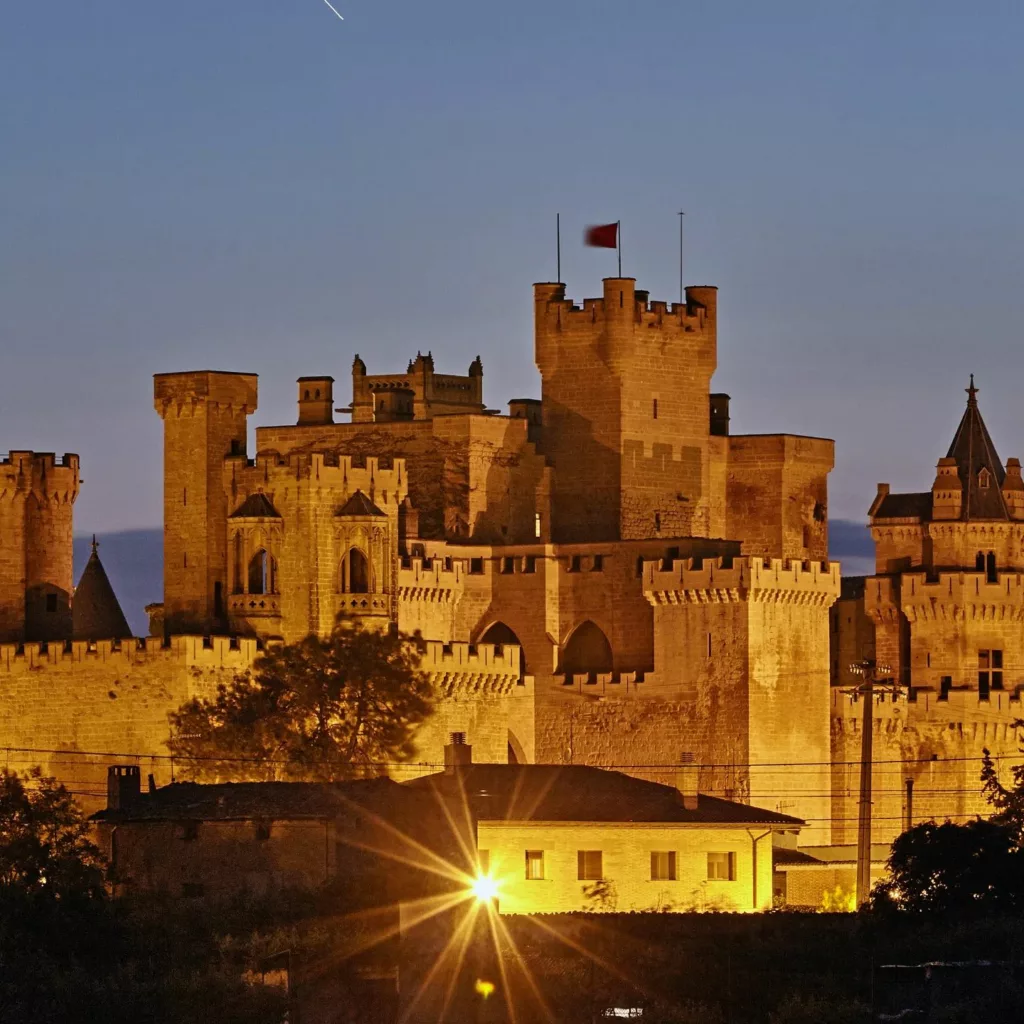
(95, 611)
(978, 466)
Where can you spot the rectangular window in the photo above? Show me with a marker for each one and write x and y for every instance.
(945, 685)
(709, 645)
(598, 564)
(534, 865)
(990, 672)
(536, 525)
(508, 565)
(574, 563)
(483, 860)
(721, 867)
(530, 563)
(663, 865)
(588, 865)
(476, 566)
(51, 602)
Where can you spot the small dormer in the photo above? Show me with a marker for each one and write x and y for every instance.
(947, 491)
(1013, 489)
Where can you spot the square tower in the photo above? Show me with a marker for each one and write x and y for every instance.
(205, 415)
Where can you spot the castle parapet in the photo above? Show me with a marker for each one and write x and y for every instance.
(430, 579)
(946, 595)
(191, 651)
(716, 580)
(42, 474)
(461, 668)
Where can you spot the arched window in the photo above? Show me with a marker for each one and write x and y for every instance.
(990, 568)
(499, 633)
(355, 573)
(262, 573)
(979, 562)
(587, 651)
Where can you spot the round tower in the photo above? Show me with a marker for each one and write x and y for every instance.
(49, 562)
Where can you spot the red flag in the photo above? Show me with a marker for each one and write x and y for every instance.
(603, 236)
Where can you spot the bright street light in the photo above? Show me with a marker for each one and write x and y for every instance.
(485, 888)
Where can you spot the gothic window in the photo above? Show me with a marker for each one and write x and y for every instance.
(587, 651)
(990, 568)
(262, 573)
(355, 573)
(979, 561)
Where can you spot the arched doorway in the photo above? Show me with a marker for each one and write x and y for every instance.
(501, 634)
(516, 754)
(586, 652)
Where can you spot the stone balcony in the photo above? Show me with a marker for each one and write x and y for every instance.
(363, 605)
(254, 605)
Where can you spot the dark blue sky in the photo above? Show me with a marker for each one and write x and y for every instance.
(256, 185)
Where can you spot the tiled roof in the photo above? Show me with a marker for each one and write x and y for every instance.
(359, 505)
(905, 506)
(538, 792)
(95, 611)
(246, 801)
(256, 506)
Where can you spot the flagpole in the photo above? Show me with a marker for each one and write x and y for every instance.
(558, 245)
(618, 239)
(681, 215)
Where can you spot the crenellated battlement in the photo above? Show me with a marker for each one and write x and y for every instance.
(190, 651)
(694, 315)
(428, 579)
(43, 474)
(717, 580)
(462, 669)
(946, 596)
(383, 479)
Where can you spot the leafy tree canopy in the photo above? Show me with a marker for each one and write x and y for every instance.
(977, 867)
(317, 710)
(44, 840)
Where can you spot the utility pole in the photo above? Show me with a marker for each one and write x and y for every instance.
(874, 678)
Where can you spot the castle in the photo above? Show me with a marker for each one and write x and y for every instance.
(945, 610)
(605, 576)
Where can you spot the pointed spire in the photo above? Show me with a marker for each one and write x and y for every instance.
(95, 611)
(977, 463)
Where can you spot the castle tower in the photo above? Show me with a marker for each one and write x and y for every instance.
(204, 415)
(625, 395)
(37, 492)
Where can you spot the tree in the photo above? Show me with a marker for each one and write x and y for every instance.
(316, 710)
(954, 869)
(44, 840)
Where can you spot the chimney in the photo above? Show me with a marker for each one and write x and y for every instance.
(124, 786)
(457, 754)
(686, 780)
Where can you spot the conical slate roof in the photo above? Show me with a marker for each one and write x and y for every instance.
(359, 505)
(95, 612)
(978, 463)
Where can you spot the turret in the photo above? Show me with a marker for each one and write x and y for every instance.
(37, 493)
(316, 400)
(947, 491)
(1013, 489)
(205, 418)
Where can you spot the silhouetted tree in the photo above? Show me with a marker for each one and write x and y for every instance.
(44, 840)
(965, 869)
(316, 710)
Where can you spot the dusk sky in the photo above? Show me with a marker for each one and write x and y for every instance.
(257, 185)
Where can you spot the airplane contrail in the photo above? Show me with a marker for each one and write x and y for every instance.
(333, 8)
